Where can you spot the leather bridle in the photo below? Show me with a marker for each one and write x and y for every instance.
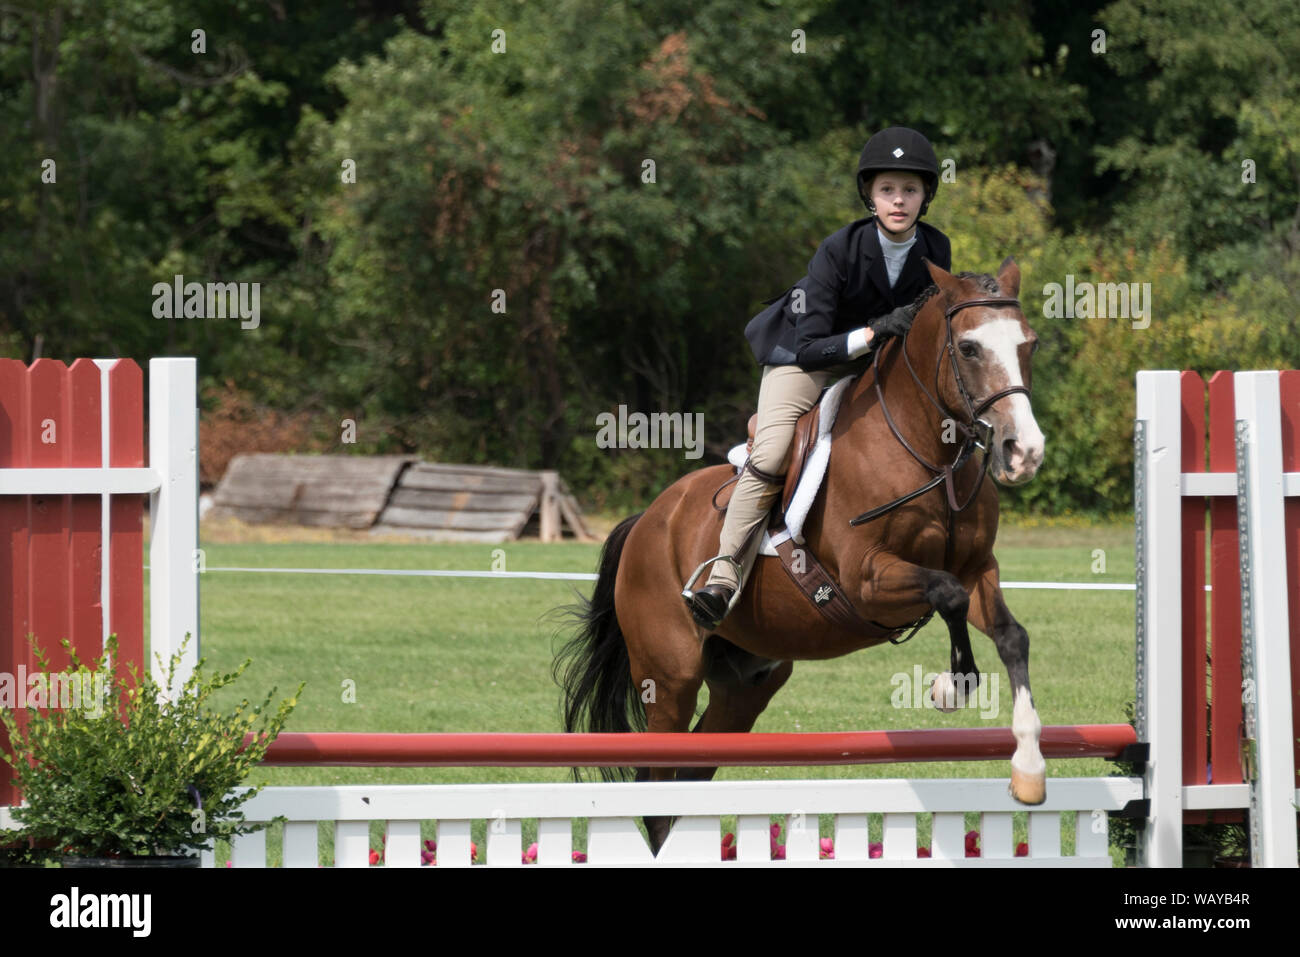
(977, 434)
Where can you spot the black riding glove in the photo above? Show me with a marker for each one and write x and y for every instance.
(894, 323)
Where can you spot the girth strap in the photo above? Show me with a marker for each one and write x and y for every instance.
(812, 578)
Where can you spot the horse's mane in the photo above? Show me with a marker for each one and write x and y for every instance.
(986, 282)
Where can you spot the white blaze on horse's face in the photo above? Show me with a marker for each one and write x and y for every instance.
(1017, 441)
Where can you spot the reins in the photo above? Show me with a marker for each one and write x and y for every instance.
(977, 434)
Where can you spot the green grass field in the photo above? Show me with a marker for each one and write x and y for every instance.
(440, 654)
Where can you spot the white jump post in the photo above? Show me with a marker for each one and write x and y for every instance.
(1158, 493)
(1266, 657)
(174, 515)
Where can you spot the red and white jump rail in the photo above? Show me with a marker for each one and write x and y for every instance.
(1245, 755)
(72, 480)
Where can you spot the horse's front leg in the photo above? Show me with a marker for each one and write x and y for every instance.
(989, 613)
(895, 588)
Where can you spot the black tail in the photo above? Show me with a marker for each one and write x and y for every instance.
(593, 666)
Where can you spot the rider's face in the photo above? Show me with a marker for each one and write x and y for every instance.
(898, 198)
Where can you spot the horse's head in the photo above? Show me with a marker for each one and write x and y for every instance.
(985, 349)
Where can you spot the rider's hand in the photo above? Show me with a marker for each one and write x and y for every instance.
(894, 323)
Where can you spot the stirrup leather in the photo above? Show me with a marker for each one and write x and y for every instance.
(688, 594)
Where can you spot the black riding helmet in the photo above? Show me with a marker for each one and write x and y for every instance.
(898, 148)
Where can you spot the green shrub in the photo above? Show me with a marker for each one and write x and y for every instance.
(137, 774)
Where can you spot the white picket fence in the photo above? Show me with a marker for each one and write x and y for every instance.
(612, 810)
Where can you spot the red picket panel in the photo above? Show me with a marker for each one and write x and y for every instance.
(126, 513)
(13, 528)
(1195, 725)
(51, 560)
(80, 437)
(49, 563)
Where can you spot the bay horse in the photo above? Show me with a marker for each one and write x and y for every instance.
(896, 569)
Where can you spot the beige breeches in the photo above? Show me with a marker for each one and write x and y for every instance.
(786, 393)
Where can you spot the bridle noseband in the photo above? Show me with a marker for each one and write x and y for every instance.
(974, 411)
(978, 434)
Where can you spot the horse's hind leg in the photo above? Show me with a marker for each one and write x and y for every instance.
(669, 687)
(734, 706)
(735, 702)
(989, 613)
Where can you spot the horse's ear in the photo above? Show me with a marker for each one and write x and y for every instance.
(1009, 277)
(942, 278)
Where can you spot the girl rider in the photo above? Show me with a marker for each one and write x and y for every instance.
(857, 286)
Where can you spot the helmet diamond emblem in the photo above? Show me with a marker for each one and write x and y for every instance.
(898, 151)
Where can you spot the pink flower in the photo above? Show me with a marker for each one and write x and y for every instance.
(972, 842)
(374, 857)
(579, 857)
(473, 851)
(530, 855)
(778, 850)
(729, 847)
(827, 849)
(428, 857)
(229, 864)
(875, 850)
(1022, 849)
(430, 846)
(922, 852)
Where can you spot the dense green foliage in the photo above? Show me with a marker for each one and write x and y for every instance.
(160, 781)
(507, 264)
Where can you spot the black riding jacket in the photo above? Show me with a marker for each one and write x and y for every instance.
(846, 287)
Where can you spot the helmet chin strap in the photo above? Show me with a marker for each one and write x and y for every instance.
(885, 229)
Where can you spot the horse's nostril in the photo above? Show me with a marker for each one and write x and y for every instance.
(1009, 448)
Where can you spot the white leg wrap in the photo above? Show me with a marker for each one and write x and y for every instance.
(1025, 725)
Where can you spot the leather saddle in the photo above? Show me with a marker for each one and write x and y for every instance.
(808, 574)
(796, 457)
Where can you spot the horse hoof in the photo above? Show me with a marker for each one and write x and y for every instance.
(1028, 788)
(944, 695)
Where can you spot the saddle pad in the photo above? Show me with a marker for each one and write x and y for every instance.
(812, 477)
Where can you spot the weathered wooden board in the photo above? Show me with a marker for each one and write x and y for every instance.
(423, 476)
(475, 501)
(397, 494)
(345, 491)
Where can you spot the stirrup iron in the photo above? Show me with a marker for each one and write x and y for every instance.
(688, 594)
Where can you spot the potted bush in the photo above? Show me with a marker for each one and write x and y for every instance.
(128, 779)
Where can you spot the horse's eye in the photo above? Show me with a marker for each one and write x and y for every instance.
(969, 350)
(1034, 347)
